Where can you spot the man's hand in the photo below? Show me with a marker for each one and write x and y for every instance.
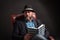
(51, 38)
(27, 36)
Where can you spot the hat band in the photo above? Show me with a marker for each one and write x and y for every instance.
(28, 9)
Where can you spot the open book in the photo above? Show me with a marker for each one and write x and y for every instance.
(35, 30)
(42, 25)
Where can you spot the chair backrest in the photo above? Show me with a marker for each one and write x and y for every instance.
(14, 16)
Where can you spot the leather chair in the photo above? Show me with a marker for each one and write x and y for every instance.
(19, 16)
(14, 16)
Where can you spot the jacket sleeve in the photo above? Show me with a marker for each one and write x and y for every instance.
(16, 31)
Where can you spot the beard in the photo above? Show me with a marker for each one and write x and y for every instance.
(31, 18)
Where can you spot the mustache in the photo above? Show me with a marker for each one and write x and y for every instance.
(31, 17)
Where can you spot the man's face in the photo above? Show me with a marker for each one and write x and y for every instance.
(30, 13)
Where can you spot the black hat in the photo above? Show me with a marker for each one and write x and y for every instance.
(28, 8)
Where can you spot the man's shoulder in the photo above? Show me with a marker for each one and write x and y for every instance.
(20, 21)
(39, 21)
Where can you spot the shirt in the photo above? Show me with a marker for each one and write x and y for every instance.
(30, 24)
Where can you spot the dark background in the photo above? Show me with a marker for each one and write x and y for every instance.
(47, 11)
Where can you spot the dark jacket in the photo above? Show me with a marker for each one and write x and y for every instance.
(20, 29)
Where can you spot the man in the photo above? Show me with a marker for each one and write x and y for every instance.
(29, 19)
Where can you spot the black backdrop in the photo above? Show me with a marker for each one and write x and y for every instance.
(47, 11)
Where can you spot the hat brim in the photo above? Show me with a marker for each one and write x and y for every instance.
(28, 10)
